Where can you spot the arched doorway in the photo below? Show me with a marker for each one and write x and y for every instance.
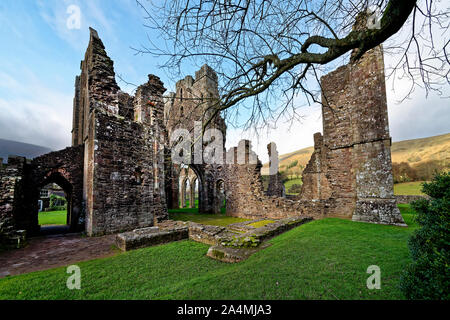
(189, 188)
(56, 216)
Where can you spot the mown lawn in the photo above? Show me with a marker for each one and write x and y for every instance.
(409, 188)
(53, 217)
(323, 259)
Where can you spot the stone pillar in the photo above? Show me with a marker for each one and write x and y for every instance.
(275, 187)
(192, 194)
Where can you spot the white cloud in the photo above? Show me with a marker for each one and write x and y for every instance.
(36, 114)
(288, 136)
(55, 14)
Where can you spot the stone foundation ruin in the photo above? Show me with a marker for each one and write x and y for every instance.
(118, 174)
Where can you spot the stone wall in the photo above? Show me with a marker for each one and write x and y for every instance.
(22, 181)
(245, 195)
(125, 175)
(10, 176)
(65, 168)
(349, 174)
(404, 199)
(124, 137)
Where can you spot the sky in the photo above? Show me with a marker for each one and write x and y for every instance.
(41, 53)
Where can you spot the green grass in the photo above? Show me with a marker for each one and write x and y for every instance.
(188, 202)
(53, 217)
(323, 259)
(405, 209)
(210, 219)
(289, 183)
(409, 188)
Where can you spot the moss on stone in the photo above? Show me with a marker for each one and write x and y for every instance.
(261, 223)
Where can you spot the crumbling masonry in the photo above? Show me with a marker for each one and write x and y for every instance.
(118, 174)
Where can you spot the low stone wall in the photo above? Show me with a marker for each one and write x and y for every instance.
(233, 243)
(403, 199)
(206, 234)
(255, 236)
(151, 236)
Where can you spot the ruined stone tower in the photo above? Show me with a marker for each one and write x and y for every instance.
(351, 164)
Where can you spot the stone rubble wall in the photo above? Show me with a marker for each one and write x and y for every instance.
(22, 180)
(10, 176)
(406, 199)
(124, 185)
(245, 195)
(275, 186)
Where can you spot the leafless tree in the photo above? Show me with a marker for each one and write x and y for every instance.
(268, 54)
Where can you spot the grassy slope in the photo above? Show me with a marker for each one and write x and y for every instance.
(413, 151)
(409, 188)
(53, 217)
(289, 183)
(421, 150)
(324, 259)
(302, 156)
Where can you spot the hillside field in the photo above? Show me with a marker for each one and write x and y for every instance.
(415, 152)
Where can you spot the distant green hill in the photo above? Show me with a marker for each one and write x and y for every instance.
(416, 152)
(29, 151)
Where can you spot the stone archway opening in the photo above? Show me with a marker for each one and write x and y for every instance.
(190, 187)
(56, 216)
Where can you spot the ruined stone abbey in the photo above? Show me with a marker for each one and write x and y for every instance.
(118, 174)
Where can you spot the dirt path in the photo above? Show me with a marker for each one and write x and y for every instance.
(54, 251)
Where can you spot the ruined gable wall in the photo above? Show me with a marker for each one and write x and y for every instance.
(194, 100)
(123, 185)
(96, 87)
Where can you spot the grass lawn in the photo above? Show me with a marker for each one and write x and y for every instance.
(323, 259)
(289, 183)
(408, 188)
(53, 217)
(211, 219)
